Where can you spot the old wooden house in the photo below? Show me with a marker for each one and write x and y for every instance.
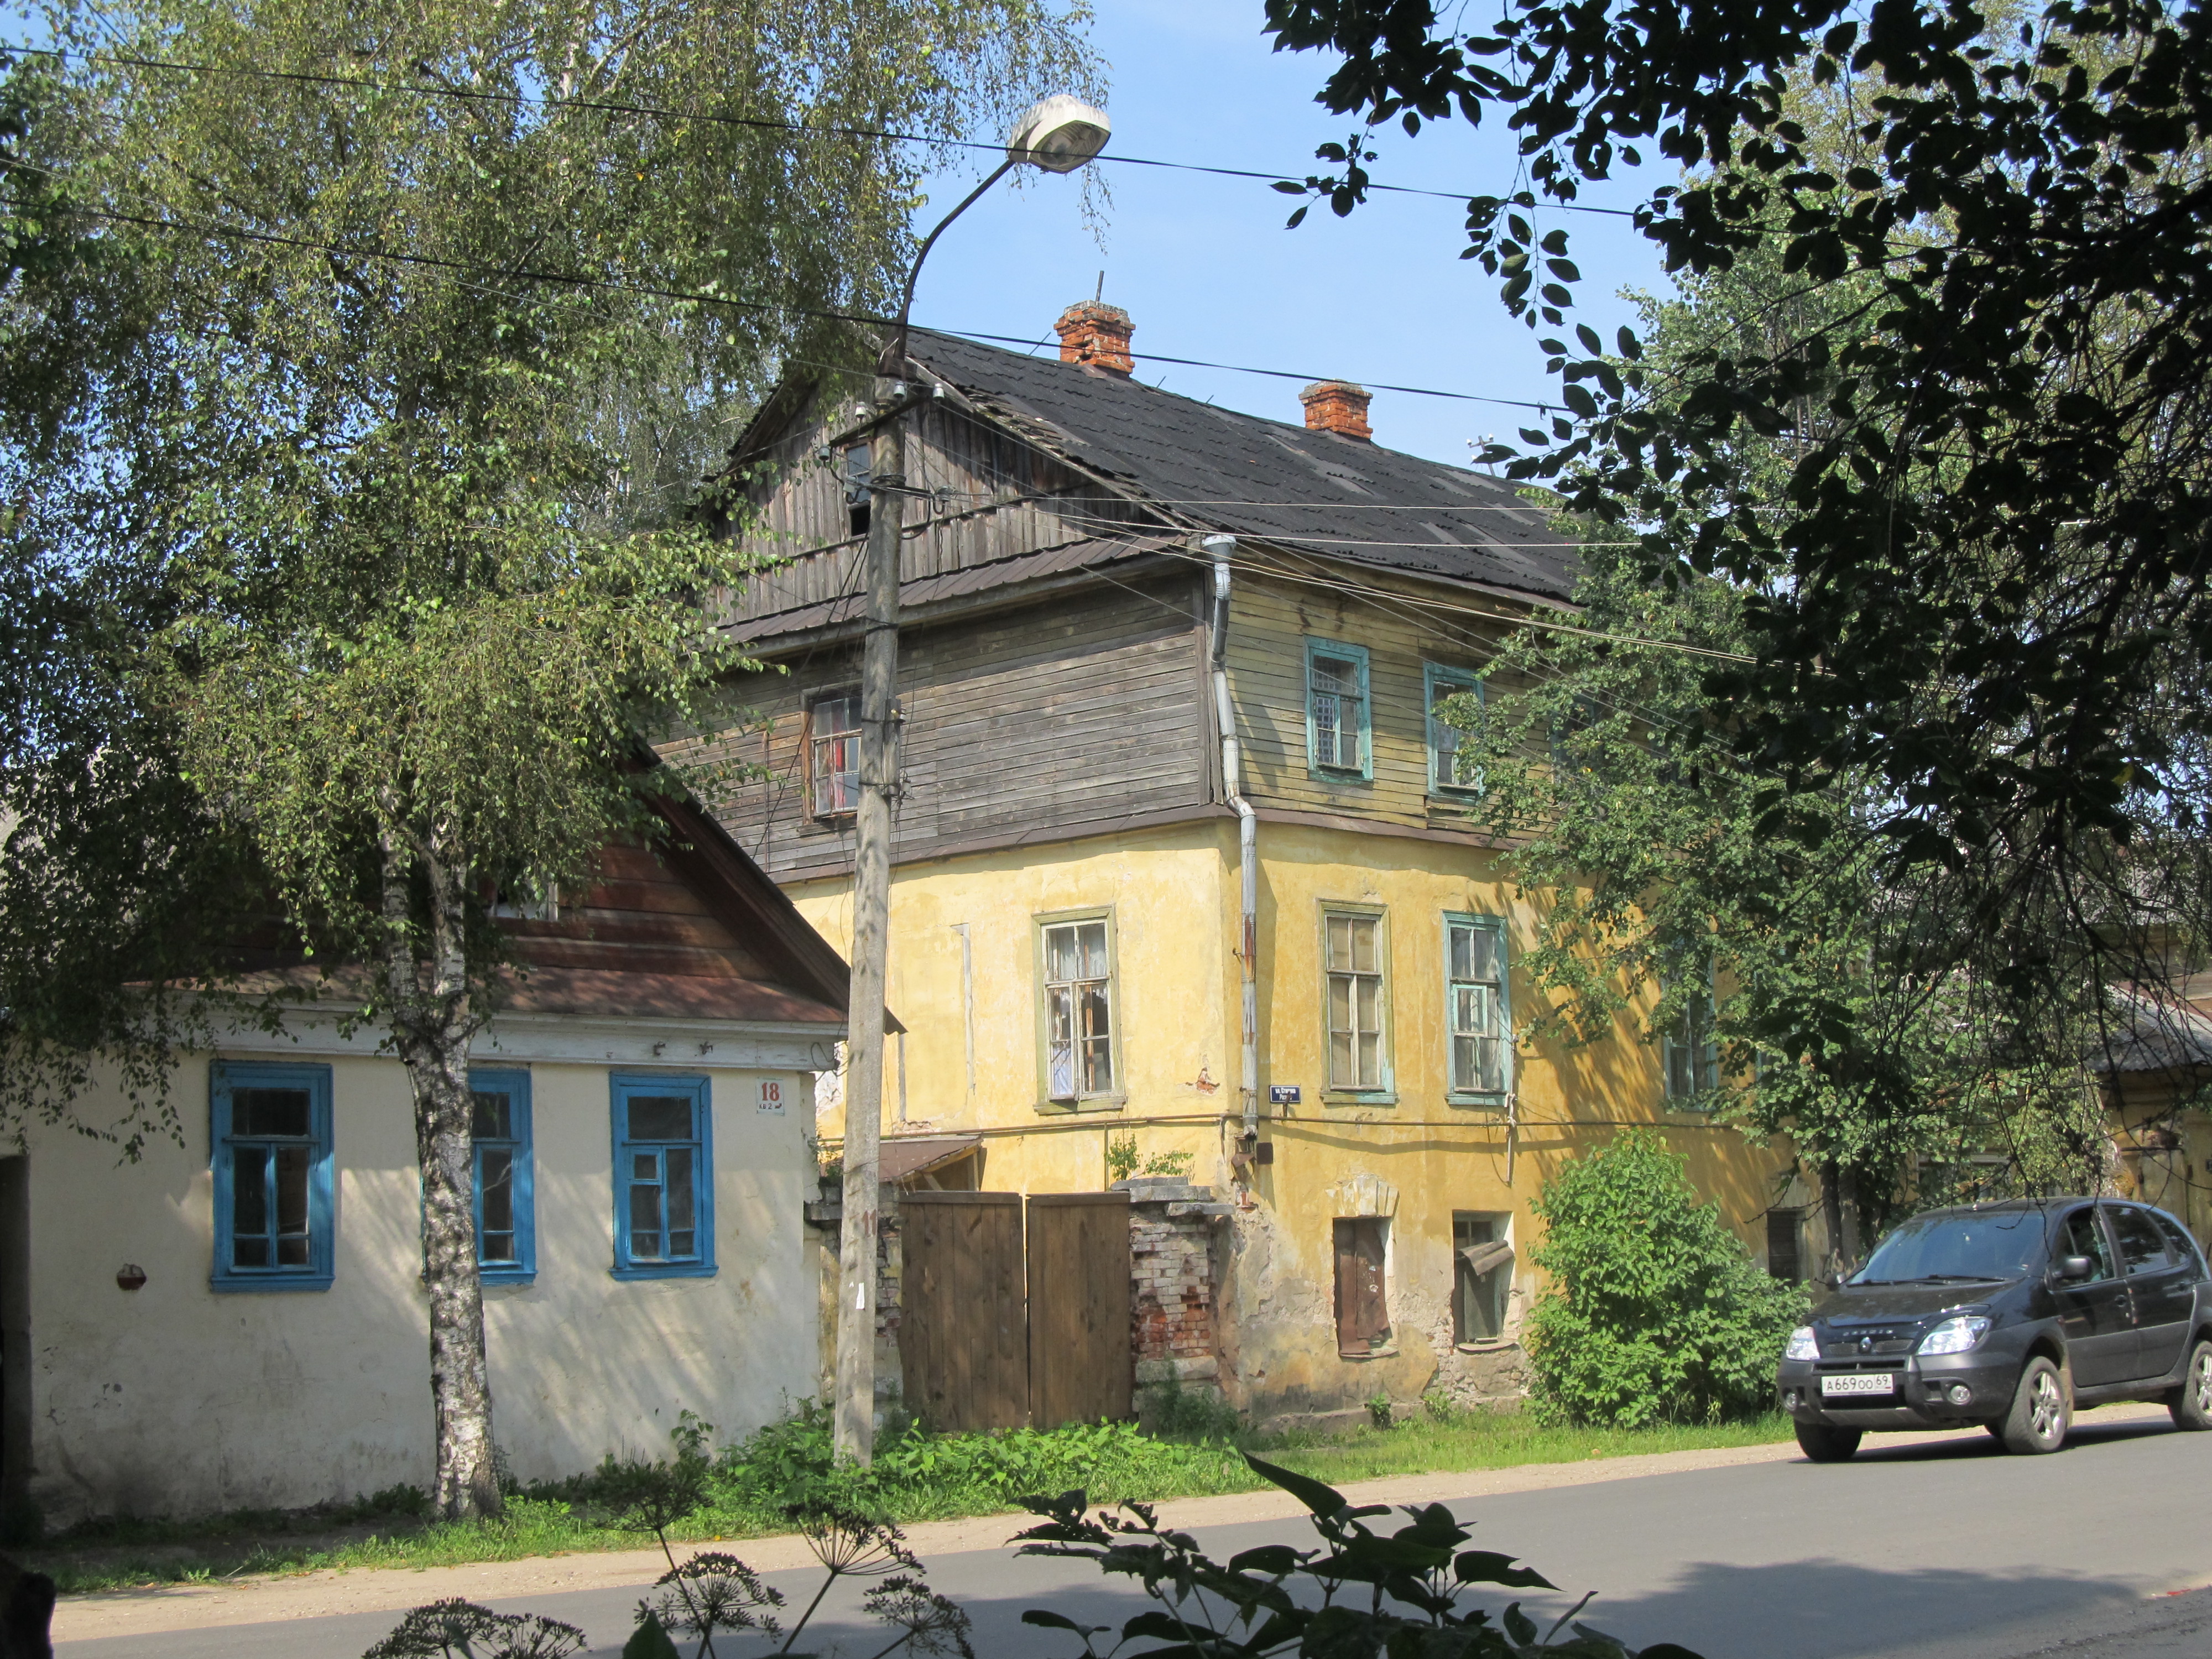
(1167, 754)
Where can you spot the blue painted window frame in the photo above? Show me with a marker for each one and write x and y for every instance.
(1502, 1009)
(1439, 680)
(624, 1086)
(523, 1269)
(225, 1078)
(1357, 655)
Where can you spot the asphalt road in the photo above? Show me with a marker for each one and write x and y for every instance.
(1953, 1551)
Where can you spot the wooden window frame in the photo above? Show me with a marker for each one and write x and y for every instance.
(1331, 771)
(319, 1272)
(1117, 1094)
(1385, 1092)
(1502, 1017)
(1440, 680)
(1705, 1062)
(1500, 1224)
(808, 739)
(1363, 1330)
(623, 1086)
(522, 1149)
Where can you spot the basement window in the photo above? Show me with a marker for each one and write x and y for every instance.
(833, 755)
(1784, 1257)
(1482, 1276)
(1363, 1309)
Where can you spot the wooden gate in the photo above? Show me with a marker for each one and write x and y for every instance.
(964, 1354)
(1080, 1361)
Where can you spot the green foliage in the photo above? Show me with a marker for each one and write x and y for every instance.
(1379, 1411)
(1122, 1162)
(1928, 410)
(1174, 1412)
(1655, 1312)
(1362, 1594)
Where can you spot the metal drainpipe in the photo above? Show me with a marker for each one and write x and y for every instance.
(1247, 831)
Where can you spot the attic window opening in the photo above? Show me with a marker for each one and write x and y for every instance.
(857, 490)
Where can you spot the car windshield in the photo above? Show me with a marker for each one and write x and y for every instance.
(1938, 1248)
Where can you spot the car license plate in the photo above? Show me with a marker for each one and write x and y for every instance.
(1858, 1382)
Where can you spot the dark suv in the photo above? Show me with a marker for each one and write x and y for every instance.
(2009, 1316)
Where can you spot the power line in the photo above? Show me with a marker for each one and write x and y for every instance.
(574, 279)
(767, 123)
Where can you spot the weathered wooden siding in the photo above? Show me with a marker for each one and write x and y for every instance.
(1269, 624)
(637, 916)
(1085, 707)
(988, 496)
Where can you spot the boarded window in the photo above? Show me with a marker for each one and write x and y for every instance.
(1354, 973)
(1078, 1010)
(834, 755)
(1784, 1258)
(1475, 1009)
(1482, 1275)
(1362, 1314)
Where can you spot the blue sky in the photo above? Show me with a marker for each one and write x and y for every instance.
(1205, 268)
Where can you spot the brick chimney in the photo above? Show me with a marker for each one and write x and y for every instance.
(1097, 336)
(1337, 406)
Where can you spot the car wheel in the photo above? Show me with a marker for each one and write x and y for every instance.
(1824, 1444)
(2039, 1415)
(2192, 1404)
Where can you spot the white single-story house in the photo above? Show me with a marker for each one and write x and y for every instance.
(239, 1319)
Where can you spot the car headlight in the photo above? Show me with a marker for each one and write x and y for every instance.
(1803, 1344)
(1955, 1335)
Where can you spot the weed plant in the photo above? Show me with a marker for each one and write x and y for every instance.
(748, 1489)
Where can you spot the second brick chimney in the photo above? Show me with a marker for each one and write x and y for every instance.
(1098, 336)
(1338, 406)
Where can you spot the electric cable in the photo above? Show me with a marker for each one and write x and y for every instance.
(768, 123)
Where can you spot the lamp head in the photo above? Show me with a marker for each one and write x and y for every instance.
(1059, 134)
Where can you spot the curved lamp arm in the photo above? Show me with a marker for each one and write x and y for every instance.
(895, 354)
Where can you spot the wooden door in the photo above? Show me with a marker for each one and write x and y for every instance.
(964, 1356)
(1081, 1364)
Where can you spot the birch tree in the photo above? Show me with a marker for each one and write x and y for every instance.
(418, 310)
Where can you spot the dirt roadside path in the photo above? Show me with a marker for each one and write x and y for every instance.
(315, 1594)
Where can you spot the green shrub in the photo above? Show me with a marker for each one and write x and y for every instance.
(1654, 1311)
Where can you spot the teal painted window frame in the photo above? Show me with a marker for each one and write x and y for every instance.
(1704, 1064)
(1436, 675)
(624, 1086)
(1356, 655)
(521, 1146)
(1503, 1017)
(319, 1272)
(1385, 1092)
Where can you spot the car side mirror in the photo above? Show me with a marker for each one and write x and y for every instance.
(2076, 1266)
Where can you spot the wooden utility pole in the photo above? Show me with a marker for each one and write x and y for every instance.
(871, 899)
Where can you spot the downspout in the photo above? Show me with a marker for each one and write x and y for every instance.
(1247, 834)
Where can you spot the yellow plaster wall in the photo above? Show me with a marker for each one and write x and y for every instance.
(1175, 998)
(1173, 892)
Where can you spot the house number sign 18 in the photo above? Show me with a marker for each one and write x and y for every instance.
(771, 1095)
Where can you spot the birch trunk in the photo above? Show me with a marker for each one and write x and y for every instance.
(433, 1019)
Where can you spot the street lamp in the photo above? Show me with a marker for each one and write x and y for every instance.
(1057, 135)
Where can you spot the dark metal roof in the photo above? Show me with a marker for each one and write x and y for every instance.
(1269, 480)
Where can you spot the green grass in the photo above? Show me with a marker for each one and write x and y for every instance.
(918, 1477)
